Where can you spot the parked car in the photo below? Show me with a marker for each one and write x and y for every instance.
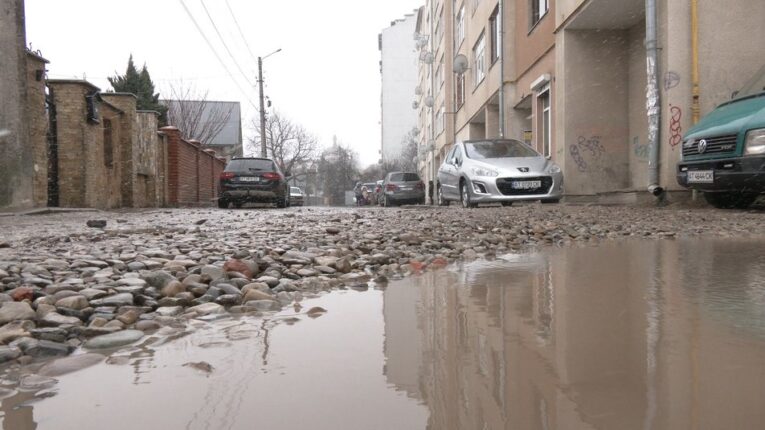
(253, 180)
(402, 187)
(497, 171)
(723, 155)
(361, 198)
(297, 196)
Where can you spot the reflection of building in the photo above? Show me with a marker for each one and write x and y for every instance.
(398, 67)
(620, 336)
(403, 342)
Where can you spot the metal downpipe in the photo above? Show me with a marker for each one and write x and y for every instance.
(501, 17)
(653, 106)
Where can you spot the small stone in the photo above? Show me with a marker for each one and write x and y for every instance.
(128, 317)
(255, 294)
(238, 266)
(71, 364)
(316, 312)
(96, 223)
(201, 221)
(264, 305)
(207, 309)
(77, 302)
(47, 348)
(8, 353)
(121, 299)
(202, 366)
(15, 329)
(22, 293)
(169, 311)
(173, 288)
(114, 340)
(12, 311)
(147, 325)
(54, 319)
(332, 230)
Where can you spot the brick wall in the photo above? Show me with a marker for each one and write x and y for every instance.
(191, 172)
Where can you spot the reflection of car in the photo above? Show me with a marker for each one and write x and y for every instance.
(252, 180)
(497, 171)
(402, 187)
(724, 153)
(296, 196)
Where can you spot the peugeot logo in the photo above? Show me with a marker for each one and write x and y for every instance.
(523, 169)
(702, 146)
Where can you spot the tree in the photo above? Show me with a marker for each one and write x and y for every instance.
(140, 84)
(407, 159)
(337, 172)
(288, 143)
(196, 118)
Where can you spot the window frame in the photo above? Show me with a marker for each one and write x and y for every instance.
(459, 28)
(108, 135)
(495, 36)
(459, 90)
(544, 140)
(479, 60)
(538, 9)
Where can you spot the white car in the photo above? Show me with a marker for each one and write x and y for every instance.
(497, 171)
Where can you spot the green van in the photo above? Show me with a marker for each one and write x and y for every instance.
(724, 154)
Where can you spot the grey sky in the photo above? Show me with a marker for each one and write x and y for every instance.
(326, 77)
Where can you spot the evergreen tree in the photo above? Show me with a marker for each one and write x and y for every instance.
(140, 84)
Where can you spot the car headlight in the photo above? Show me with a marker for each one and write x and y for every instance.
(481, 171)
(755, 142)
(553, 168)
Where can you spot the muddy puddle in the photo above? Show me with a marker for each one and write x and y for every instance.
(635, 335)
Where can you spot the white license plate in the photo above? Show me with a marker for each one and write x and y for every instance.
(701, 176)
(248, 179)
(526, 185)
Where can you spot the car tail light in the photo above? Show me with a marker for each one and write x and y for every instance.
(391, 187)
(272, 176)
(378, 188)
(420, 186)
(226, 176)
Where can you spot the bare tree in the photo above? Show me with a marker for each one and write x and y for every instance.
(194, 115)
(288, 143)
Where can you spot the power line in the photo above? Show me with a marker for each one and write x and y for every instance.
(212, 48)
(220, 36)
(240, 31)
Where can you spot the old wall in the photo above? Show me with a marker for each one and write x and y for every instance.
(148, 161)
(16, 158)
(127, 103)
(37, 121)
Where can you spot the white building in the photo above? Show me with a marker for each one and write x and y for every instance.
(398, 67)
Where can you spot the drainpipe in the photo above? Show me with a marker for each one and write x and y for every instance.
(501, 43)
(433, 168)
(695, 108)
(652, 98)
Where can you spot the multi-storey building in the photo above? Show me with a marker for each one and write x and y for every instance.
(398, 67)
(570, 78)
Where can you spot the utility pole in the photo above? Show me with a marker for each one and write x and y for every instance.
(262, 110)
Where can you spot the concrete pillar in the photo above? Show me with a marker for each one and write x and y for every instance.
(16, 156)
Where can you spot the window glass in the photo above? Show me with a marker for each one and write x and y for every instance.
(244, 165)
(498, 149)
(479, 60)
(404, 177)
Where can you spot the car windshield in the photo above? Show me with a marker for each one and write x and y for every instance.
(498, 149)
(754, 86)
(243, 165)
(295, 190)
(404, 177)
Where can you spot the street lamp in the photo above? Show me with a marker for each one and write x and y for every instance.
(262, 108)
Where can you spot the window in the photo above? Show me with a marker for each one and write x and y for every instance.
(108, 143)
(440, 120)
(496, 37)
(459, 28)
(459, 94)
(543, 103)
(539, 9)
(479, 60)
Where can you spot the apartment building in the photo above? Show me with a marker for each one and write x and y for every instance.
(398, 70)
(570, 78)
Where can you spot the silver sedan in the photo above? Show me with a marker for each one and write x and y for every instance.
(497, 171)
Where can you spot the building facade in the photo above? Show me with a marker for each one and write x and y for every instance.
(569, 78)
(398, 68)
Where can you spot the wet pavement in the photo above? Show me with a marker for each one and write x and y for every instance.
(639, 334)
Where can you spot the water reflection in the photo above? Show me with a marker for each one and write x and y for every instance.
(635, 335)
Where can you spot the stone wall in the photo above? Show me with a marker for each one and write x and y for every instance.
(16, 159)
(37, 121)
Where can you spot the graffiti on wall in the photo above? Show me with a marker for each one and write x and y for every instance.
(675, 127)
(586, 148)
(640, 151)
(671, 80)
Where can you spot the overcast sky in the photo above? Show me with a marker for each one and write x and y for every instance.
(326, 77)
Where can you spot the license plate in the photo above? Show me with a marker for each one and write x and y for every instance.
(701, 176)
(248, 179)
(526, 185)
(406, 188)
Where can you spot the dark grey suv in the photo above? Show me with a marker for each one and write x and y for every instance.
(253, 180)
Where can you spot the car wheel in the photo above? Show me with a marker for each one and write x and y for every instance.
(507, 203)
(223, 204)
(282, 203)
(730, 200)
(387, 202)
(441, 200)
(465, 196)
(550, 201)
